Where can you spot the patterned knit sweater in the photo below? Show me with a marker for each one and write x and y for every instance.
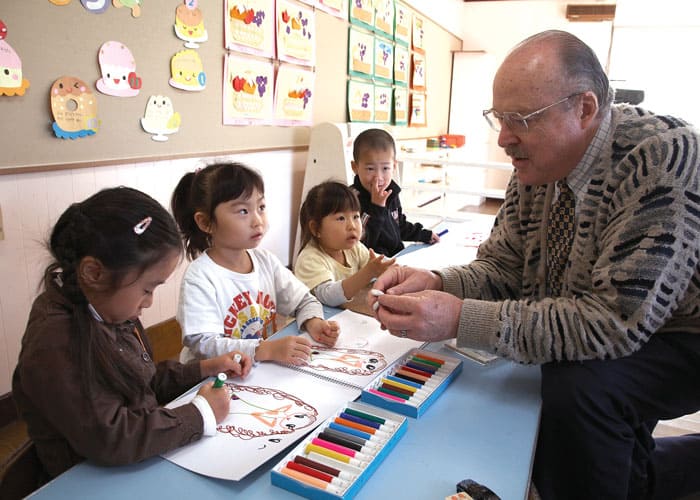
(634, 265)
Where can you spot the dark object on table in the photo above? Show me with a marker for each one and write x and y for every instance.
(476, 491)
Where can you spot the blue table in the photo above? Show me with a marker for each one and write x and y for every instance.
(483, 427)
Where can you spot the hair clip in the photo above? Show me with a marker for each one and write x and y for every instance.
(142, 226)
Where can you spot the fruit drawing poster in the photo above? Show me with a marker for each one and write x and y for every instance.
(294, 95)
(296, 33)
(248, 90)
(250, 26)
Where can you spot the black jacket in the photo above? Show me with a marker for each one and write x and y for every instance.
(385, 228)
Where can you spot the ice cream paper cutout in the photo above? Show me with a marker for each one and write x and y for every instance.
(160, 118)
(11, 80)
(189, 24)
(134, 5)
(74, 108)
(118, 69)
(187, 71)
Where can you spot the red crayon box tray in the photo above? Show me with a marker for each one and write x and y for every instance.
(338, 458)
(413, 383)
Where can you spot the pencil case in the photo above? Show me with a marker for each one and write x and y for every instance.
(413, 383)
(338, 458)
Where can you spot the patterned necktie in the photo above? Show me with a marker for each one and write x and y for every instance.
(560, 234)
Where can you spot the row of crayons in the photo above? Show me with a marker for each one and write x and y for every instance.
(413, 380)
(334, 458)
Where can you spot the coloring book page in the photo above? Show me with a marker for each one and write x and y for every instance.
(362, 352)
(271, 409)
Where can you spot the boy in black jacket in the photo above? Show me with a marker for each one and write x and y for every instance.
(384, 225)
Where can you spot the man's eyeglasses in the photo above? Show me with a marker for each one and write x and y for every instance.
(515, 121)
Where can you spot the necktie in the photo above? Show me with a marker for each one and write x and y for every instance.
(560, 234)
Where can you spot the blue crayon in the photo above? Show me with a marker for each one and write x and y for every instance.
(349, 430)
(443, 232)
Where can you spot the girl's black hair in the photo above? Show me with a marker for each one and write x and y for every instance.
(203, 191)
(102, 227)
(324, 199)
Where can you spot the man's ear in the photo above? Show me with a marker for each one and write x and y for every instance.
(203, 222)
(93, 274)
(589, 108)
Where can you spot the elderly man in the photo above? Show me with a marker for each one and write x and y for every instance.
(592, 270)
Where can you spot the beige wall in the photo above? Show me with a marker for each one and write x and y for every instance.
(32, 202)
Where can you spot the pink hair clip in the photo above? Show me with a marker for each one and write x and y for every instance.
(142, 226)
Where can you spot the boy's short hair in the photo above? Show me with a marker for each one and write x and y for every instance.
(374, 138)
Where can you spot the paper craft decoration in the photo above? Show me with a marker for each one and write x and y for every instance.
(248, 90)
(95, 6)
(400, 106)
(401, 65)
(384, 17)
(160, 118)
(276, 405)
(294, 95)
(134, 5)
(382, 104)
(403, 22)
(360, 101)
(337, 8)
(74, 108)
(187, 71)
(362, 13)
(383, 60)
(251, 26)
(60, 2)
(418, 73)
(189, 24)
(418, 116)
(296, 33)
(361, 53)
(418, 33)
(12, 82)
(118, 69)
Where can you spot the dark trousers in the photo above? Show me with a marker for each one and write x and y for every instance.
(597, 417)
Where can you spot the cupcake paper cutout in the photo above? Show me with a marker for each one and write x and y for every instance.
(12, 82)
(118, 69)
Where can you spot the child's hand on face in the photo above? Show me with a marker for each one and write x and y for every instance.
(218, 398)
(228, 364)
(323, 331)
(377, 263)
(291, 350)
(434, 238)
(378, 194)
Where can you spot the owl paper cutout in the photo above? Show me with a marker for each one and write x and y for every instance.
(134, 5)
(187, 71)
(189, 24)
(11, 80)
(95, 6)
(74, 108)
(118, 69)
(160, 118)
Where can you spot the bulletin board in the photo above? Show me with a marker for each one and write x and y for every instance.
(53, 41)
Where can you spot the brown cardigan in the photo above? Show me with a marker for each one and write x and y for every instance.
(67, 426)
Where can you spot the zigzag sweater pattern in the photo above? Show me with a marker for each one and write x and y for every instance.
(634, 266)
